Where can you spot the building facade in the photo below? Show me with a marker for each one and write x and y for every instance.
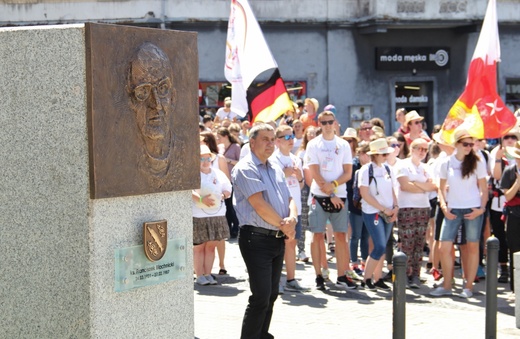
(366, 57)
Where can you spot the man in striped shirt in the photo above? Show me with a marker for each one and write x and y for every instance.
(267, 214)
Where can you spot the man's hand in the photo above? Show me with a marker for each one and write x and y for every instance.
(287, 226)
(337, 202)
(327, 188)
(288, 171)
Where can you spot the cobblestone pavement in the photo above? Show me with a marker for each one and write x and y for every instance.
(337, 313)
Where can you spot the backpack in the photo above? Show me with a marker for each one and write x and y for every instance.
(356, 195)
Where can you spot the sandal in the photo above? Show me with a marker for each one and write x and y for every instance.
(222, 272)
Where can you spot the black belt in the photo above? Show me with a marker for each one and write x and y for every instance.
(263, 231)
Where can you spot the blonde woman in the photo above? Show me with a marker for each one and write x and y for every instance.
(415, 185)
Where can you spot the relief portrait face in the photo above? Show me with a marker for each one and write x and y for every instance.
(150, 86)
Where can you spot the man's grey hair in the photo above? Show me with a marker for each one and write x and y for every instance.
(253, 132)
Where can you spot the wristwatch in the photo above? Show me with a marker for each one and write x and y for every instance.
(332, 195)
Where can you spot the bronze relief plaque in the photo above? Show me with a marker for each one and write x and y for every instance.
(142, 92)
(155, 239)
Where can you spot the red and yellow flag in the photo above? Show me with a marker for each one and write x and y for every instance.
(479, 109)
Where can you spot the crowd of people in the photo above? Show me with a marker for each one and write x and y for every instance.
(353, 193)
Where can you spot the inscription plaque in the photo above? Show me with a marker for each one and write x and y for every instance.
(134, 270)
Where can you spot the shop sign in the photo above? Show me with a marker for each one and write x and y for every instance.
(412, 99)
(420, 58)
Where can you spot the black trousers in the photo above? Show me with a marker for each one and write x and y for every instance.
(499, 231)
(263, 256)
(513, 242)
(231, 216)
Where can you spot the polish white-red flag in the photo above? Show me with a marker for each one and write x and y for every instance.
(479, 109)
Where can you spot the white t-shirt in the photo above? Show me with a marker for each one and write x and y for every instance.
(292, 182)
(462, 192)
(380, 188)
(419, 173)
(330, 155)
(215, 183)
(497, 203)
(297, 144)
(245, 150)
(222, 114)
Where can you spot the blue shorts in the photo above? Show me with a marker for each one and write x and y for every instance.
(318, 219)
(472, 228)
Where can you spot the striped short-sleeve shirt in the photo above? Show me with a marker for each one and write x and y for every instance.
(251, 176)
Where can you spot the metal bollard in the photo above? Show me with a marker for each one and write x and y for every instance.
(492, 245)
(399, 298)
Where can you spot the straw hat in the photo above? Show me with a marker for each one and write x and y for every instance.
(411, 116)
(380, 146)
(461, 134)
(205, 150)
(437, 137)
(514, 151)
(315, 103)
(514, 131)
(350, 133)
(378, 131)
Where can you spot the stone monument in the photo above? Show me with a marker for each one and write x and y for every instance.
(98, 127)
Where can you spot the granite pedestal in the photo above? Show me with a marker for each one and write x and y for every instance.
(56, 243)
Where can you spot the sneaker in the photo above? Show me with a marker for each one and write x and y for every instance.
(358, 270)
(346, 283)
(302, 256)
(211, 280)
(437, 275)
(280, 288)
(380, 284)
(415, 282)
(429, 265)
(353, 275)
(388, 276)
(320, 283)
(481, 274)
(325, 274)
(293, 286)
(440, 292)
(368, 285)
(202, 281)
(504, 277)
(440, 283)
(466, 293)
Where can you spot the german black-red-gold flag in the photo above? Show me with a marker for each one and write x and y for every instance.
(270, 100)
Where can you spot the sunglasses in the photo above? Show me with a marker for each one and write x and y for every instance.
(510, 137)
(466, 144)
(287, 137)
(384, 155)
(366, 128)
(395, 145)
(422, 149)
(327, 122)
(417, 122)
(202, 159)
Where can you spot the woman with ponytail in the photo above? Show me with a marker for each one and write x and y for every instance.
(462, 197)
